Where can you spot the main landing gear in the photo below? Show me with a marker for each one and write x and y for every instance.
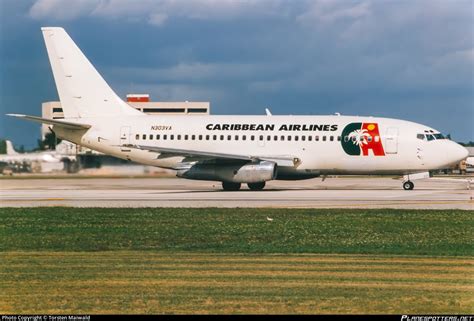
(408, 185)
(229, 186)
(256, 186)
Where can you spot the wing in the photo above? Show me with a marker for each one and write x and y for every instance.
(281, 160)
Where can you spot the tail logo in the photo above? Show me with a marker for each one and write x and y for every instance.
(359, 138)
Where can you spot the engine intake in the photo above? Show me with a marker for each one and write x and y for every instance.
(236, 173)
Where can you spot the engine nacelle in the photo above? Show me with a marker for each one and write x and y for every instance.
(247, 173)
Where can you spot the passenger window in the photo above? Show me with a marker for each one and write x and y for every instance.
(214, 137)
(275, 138)
(282, 138)
(310, 138)
(137, 137)
(151, 137)
(324, 138)
(165, 137)
(303, 138)
(222, 137)
(229, 137)
(338, 138)
(296, 138)
(244, 137)
(179, 137)
(171, 137)
(261, 137)
(269, 137)
(185, 137)
(193, 137)
(316, 138)
(158, 137)
(200, 137)
(289, 138)
(346, 138)
(331, 138)
(252, 137)
(207, 137)
(144, 136)
(236, 137)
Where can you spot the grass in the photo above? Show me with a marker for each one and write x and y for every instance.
(406, 232)
(73, 260)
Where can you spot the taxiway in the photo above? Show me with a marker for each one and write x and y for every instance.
(346, 192)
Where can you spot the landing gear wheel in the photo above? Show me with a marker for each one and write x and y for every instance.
(228, 186)
(256, 186)
(408, 185)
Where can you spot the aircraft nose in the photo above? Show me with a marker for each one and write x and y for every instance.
(458, 153)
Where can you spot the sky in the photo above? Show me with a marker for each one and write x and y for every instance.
(411, 60)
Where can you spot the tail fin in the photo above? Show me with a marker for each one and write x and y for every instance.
(82, 90)
(10, 149)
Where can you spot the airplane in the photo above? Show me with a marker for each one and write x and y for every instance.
(13, 156)
(235, 150)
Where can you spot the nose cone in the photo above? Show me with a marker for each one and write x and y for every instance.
(458, 153)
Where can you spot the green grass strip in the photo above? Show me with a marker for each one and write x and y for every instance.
(216, 230)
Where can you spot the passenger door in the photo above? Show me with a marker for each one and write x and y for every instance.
(391, 141)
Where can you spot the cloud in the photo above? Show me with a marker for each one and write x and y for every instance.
(62, 10)
(329, 11)
(155, 12)
(157, 19)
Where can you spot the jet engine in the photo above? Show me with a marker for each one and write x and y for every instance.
(235, 173)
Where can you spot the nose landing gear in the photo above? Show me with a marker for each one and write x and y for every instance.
(408, 185)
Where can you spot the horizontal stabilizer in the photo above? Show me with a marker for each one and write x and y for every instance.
(61, 123)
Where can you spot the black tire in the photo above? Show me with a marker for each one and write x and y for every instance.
(408, 185)
(228, 186)
(256, 186)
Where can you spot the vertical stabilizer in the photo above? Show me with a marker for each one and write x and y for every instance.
(82, 90)
(10, 149)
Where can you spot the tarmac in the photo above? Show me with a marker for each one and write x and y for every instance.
(341, 192)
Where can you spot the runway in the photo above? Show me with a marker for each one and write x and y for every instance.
(347, 192)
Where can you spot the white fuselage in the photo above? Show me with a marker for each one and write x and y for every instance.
(316, 141)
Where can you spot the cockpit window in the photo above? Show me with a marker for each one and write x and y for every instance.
(430, 135)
